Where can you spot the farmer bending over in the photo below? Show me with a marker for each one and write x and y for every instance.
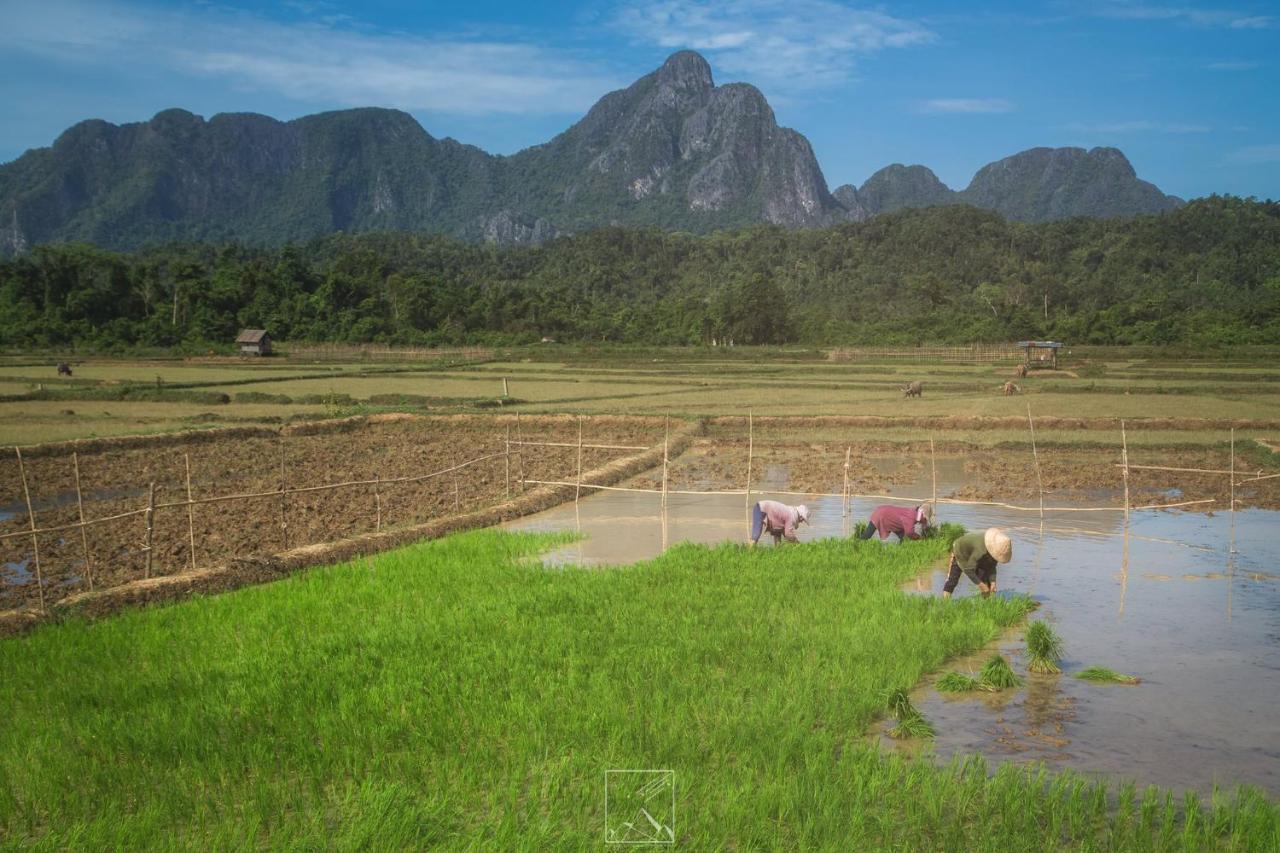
(901, 520)
(977, 554)
(777, 519)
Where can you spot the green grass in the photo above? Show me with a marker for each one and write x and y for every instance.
(456, 694)
(996, 673)
(1044, 648)
(1101, 673)
(958, 682)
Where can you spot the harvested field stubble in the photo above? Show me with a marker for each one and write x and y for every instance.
(115, 475)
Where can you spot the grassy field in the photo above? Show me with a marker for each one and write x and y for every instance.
(687, 382)
(456, 694)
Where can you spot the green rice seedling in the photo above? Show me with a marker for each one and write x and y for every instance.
(1101, 673)
(1044, 647)
(958, 682)
(997, 674)
(911, 723)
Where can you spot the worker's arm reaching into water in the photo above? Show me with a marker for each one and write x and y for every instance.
(899, 520)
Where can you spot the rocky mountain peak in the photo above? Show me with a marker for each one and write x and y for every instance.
(686, 69)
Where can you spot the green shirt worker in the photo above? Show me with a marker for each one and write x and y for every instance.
(977, 555)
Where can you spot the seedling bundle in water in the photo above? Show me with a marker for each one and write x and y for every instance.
(1044, 647)
(1101, 673)
(997, 673)
(910, 722)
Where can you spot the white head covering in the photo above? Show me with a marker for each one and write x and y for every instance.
(998, 544)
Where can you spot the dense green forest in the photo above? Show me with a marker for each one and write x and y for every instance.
(1208, 273)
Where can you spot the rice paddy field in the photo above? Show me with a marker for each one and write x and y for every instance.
(483, 690)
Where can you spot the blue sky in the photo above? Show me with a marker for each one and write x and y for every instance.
(1187, 91)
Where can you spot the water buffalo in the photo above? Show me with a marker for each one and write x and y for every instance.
(64, 369)
(913, 389)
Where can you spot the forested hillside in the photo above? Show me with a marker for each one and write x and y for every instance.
(1206, 273)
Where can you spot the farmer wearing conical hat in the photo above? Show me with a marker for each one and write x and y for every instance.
(977, 555)
(777, 519)
(901, 520)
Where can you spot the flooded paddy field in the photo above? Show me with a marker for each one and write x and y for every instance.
(1170, 603)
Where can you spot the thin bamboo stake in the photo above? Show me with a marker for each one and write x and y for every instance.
(933, 464)
(751, 449)
(578, 491)
(151, 519)
(31, 517)
(1036, 455)
(84, 537)
(191, 512)
(1124, 458)
(506, 477)
(284, 499)
(844, 493)
(1184, 470)
(520, 441)
(1232, 546)
(505, 392)
(585, 445)
(377, 501)
(665, 439)
(457, 500)
(1256, 479)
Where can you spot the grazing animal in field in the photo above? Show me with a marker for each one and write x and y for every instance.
(1011, 388)
(913, 389)
(64, 369)
(1022, 371)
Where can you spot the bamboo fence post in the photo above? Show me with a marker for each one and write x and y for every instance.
(1124, 459)
(666, 438)
(35, 541)
(151, 519)
(84, 537)
(1232, 545)
(933, 464)
(506, 477)
(505, 393)
(1036, 455)
(377, 502)
(751, 449)
(457, 500)
(845, 495)
(577, 492)
(284, 499)
(520, 442)
(191, 512)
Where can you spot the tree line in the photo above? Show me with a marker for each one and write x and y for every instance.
(1206, 274)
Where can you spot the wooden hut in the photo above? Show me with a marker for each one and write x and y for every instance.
(254, 342)
(1041, 353)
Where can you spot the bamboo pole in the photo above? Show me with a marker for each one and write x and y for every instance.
(1232, 546)
(751, 449)
(457, 499)
(505, 392)
(1183, 470)
(665, 439)
(506, 477)
(578, 491)
(31, 518)
(933, 465)
(1036, 455)
(151, 520)
(284, 499)
(844, 494)
(520, 440)
(1124, 459)
(191, 512)
(84, 536)
(377, 502)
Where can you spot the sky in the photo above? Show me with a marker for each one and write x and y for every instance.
(1188, 91)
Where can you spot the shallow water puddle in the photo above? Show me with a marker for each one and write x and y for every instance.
(1198, 625)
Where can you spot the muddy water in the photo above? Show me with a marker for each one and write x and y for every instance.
(1199, 625)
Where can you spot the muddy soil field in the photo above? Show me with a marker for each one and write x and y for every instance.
(115, 477)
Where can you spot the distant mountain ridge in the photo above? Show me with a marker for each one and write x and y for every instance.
(672, 150)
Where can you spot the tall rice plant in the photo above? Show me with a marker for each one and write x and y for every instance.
(1044, 648)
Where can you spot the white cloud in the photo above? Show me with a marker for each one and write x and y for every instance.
(1204, 17)
(1256, 154)
(1236, 65)
(788, 46)
(1257, 22)
(1136, 126)
(966, 105)
(323, 61)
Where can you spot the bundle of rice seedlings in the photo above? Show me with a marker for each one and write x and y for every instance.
(997, 674)
(1101, 673)
(910, 722)
(1044, 647)
(956, 682)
